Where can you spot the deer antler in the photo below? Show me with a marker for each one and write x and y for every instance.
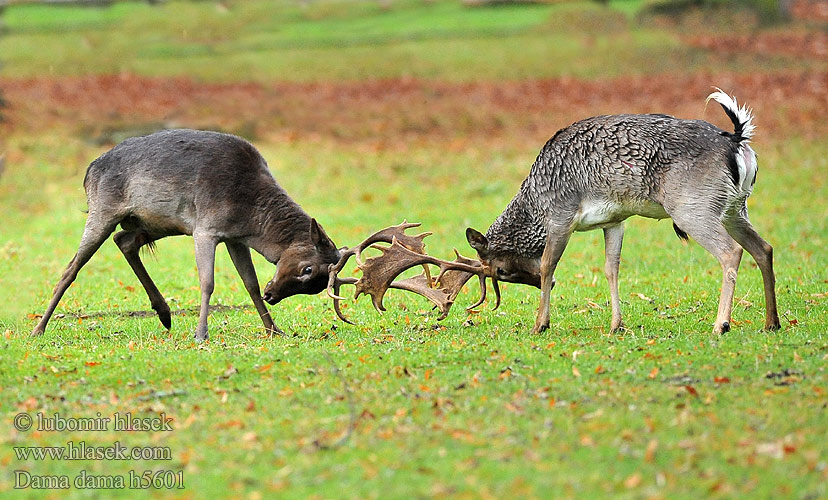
(386, 235)
(405, 252)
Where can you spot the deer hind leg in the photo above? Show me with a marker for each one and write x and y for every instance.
(709, 232)
(613, 236)
(96, 231)
(130, 243)
(762, 252)
(555, 245)
(205, 254)
(240, 255)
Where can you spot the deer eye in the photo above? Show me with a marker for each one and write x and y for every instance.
(307, 270)
(501, 271)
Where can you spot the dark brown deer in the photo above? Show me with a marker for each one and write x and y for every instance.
(215, 187)
(599, 171)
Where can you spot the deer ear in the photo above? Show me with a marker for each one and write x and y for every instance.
(477, 241)
(319, 238)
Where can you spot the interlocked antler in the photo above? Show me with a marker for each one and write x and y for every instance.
(405, 252)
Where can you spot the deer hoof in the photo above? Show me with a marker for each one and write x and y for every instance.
(723, 328)
(772, 326)
(274, 331)
(164, 316)
(618, 328)
(201, 335)
(38, 331)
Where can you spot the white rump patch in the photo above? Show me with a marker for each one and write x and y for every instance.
(746, 162)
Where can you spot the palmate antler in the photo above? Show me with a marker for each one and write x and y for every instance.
(405, 252)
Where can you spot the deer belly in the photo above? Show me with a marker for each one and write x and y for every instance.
(164, 216)
(595, 214)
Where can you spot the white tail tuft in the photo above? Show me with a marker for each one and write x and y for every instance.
(742, 118)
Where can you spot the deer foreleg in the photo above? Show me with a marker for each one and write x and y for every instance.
(555, 245)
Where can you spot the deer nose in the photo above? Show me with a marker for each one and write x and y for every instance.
(269, 298)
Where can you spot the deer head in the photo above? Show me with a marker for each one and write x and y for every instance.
(504, 266)
(303, 266)
(406, 251)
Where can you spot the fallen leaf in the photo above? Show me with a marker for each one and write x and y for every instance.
(691, 390)
(599, 370)
(721, 380)
(653, 373)
(264, 368)
(28, 404)
(237, 424)
(575, 371)
(774, 450)
(229, 372)
(514, 408)
(92, 363)
(649, 453)
(633, 481)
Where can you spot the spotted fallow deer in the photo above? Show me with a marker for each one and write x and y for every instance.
(599, 171)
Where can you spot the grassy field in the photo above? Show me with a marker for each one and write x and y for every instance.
(412, 110)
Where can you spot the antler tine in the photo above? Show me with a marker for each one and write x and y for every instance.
(451, 278)
(336, 298)
(453, 282)
(333, 271)
(482, 279)
(388, 234)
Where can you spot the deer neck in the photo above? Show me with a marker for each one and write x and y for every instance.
(518, 230)
(280, 222)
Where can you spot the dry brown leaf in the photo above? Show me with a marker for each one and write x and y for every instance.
(633, 481)
(649, 453)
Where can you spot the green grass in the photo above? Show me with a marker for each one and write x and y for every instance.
(450, 409)
(334, 41)
(400, 405)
